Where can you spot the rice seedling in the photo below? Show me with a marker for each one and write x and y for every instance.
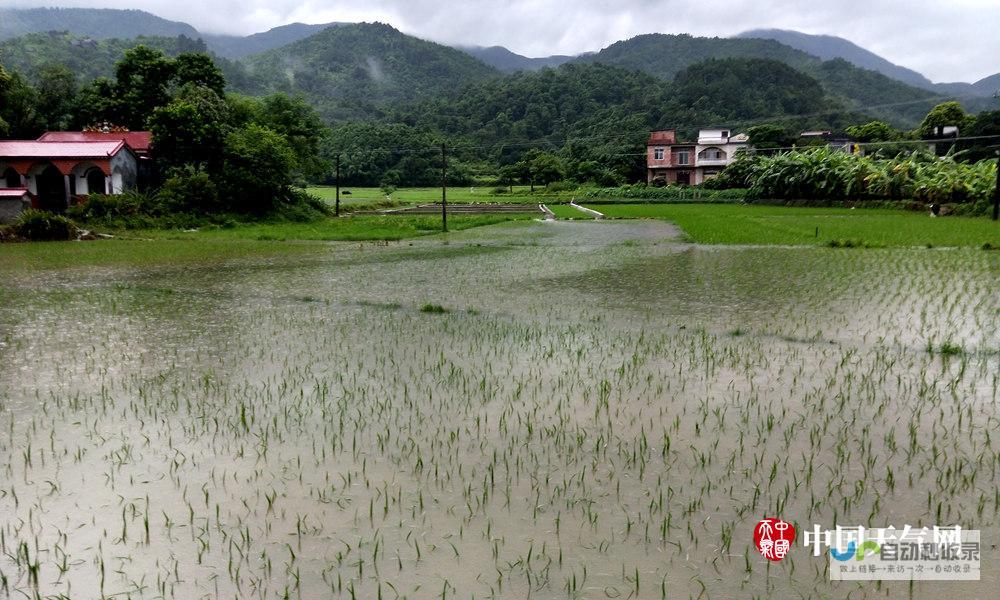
(610, 421)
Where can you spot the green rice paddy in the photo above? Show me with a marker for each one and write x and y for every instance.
(752, 224)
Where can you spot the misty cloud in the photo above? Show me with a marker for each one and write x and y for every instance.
(947, 41)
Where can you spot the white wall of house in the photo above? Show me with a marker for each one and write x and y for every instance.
(709, 137)
(124, 172)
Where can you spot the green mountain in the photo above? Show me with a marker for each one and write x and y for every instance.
(232, 46)
(828, 47)
(606, 104)
(506, 61)
(738, 89)
(96, 23)
(101, 24)
(89, 58)
(989, 86)
(665, 55)
(355, 71)
(859, 89)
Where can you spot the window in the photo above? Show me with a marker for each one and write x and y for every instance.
(712, 154)
(658, 153)
(682, 157)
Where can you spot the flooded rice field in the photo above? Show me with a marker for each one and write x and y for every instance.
(600, 411)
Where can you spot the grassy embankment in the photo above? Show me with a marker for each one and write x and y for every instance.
(216, 245)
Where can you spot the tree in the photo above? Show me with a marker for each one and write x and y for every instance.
(765, 137)
(4, 87)
(18, 114)
(57, 95)
(544, 167)
(98, 102)
(985, 124)
(944, 115)
(874, 131)
(257, 169)
(143, 78)
(302, 127)
(510, 174)
(198, 69)
(191, 129)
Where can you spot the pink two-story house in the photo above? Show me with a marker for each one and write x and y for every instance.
(690, 163)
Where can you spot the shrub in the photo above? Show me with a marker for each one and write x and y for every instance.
(435, 309)
(670, 193)
(107, 207)
(38, 225)
(301, 207)
(850, 243)
(608, 178)
(562, 186)
(188, 191)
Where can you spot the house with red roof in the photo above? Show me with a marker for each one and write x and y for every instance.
(59, 171)
(139, 141)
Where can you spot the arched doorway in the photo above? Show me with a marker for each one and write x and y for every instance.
(51, 189)
(96, 181)
(117, 182)
(11, 179)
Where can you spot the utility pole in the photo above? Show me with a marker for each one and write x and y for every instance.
(996, 193)
(444, 188)
(337, 205)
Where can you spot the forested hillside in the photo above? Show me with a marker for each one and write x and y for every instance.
(87, 59)
(97, 23)
(666, 55)
(354, 71)
(828, 47)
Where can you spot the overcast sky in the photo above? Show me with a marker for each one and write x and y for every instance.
(947, 40)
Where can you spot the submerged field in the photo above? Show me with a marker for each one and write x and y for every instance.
(546, 410)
